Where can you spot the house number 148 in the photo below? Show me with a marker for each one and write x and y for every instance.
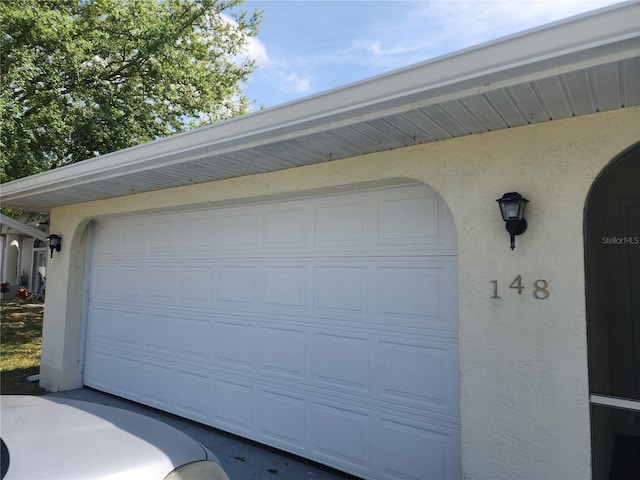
(540, 288)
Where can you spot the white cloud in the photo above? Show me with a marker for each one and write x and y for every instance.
(297, 83)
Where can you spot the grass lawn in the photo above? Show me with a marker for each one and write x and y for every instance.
(20, 342)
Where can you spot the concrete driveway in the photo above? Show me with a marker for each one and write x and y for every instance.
(241, 459)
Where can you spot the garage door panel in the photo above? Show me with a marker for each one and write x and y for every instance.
(163, 235)
(104, 283)
(342, 436)
(237, 230)
(418, 294)
(282, 352)
(196, 285)
(317, 325)
(192, 395)
(418, 452)
(284, 287)
(131, 281)
(234, 344)
(236, 286)
(340, 289)
(156, 385)
(134, 237)
(341, 362)
(127, 376)
(408, 220)
(100, 327)
(161, 285)
(340, 223)
(107, 239)
(433, 386)
(129, 328)
(196, 233)
(98, 371)
(159, 332)
(285, 228)
(194, 337)
(282, 420)
(232, 406)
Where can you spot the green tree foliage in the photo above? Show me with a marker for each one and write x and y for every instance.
(82, 78)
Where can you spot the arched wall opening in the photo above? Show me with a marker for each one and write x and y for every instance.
(612, 250)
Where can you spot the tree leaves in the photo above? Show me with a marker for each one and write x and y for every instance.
(82, 78)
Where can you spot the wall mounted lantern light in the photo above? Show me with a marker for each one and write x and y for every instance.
(55, 243)
(512, 206)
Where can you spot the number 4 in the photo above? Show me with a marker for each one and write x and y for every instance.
(517, 284)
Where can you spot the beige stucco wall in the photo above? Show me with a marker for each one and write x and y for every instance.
(523, 361)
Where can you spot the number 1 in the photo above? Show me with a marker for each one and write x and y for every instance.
(495, 289)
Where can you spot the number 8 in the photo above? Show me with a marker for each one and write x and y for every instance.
(541, 292)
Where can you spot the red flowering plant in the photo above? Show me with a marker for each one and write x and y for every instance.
(23, 294)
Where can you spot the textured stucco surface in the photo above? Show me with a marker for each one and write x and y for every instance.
(523, 361)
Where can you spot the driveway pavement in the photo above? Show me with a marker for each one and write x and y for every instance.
(241, 459)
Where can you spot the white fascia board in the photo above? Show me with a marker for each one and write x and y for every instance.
(607, 35)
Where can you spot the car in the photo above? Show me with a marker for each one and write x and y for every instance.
(54, 438)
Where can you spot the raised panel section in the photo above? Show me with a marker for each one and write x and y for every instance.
(98, 373)
(341, 289)
(233, 405)
(161, 284)
(193, 337)
(129, 327)
(282, 419)
(134, 238)
(195, 285)
(283, 351)
(163, 234)
(341, 361)
(105, 282)
(236, 285)
(234, 344)
(342, 436)
(340, 224)
(107, 240)
(285, 228)
(432, 386)
(410, 292)
(101, 325)
(284, 287)
(159, 332)
(192, 395)
(157, 385)
(408, 220)
(238, 231)
(411, 452)
(197, 233)
(131, 281)
(126, 373)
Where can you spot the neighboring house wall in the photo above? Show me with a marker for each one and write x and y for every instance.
(523, 361)
(17, 253)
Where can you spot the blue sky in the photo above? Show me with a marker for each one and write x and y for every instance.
(310, 46)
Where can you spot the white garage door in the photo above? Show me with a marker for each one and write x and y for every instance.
(325, 326)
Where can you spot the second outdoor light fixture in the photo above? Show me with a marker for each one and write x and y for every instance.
(55, 243)
(512, 207)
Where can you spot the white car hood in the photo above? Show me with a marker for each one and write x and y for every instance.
(52, 438)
